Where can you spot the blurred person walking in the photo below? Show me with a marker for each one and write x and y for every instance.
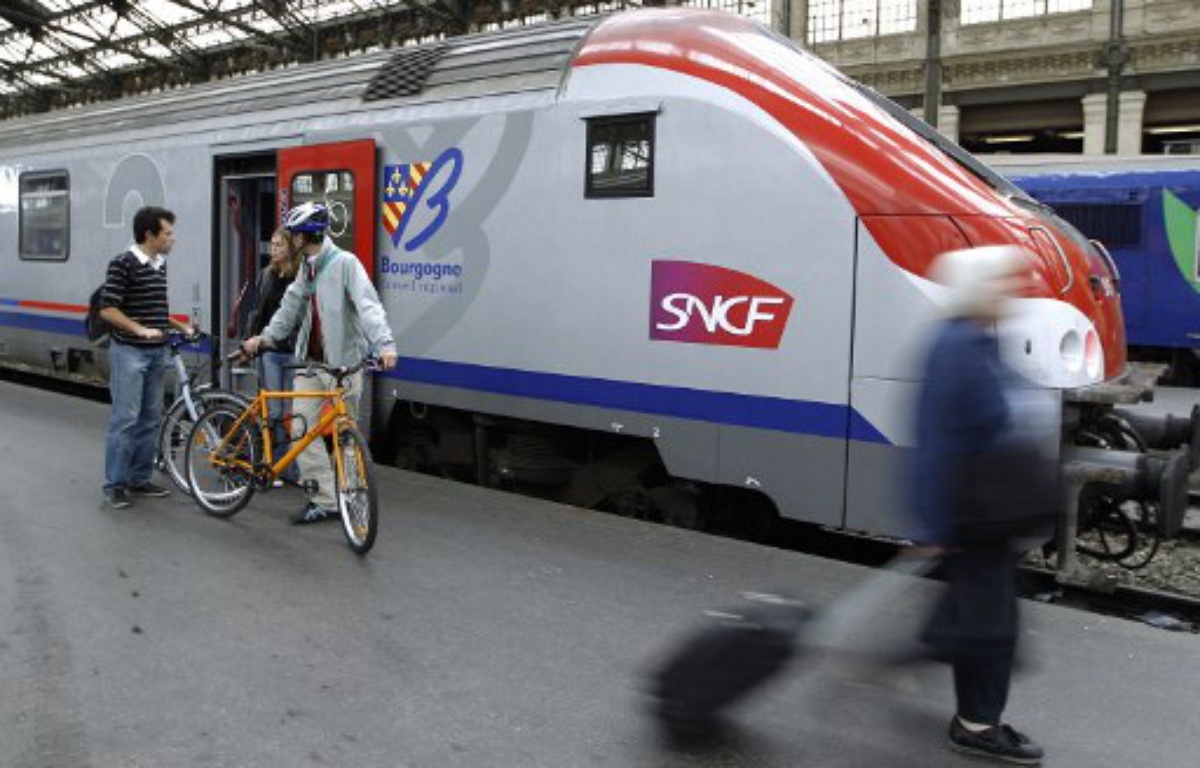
(967, 411)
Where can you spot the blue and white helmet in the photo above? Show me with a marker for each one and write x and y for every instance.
(307, 217)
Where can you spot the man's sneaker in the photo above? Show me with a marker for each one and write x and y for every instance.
(1001, 742)
(313, 513)
(148, 489)
(116, 498)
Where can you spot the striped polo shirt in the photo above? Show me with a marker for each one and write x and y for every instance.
(137, 286)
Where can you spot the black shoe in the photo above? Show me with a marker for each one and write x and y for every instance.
(148, 489)
(1001, 742)
(313, 513)
(116, 498)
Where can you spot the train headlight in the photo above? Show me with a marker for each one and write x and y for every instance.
(1070, 351)
(1093, 355)
(1052, 343)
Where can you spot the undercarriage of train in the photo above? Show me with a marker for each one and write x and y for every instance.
(1125, 473)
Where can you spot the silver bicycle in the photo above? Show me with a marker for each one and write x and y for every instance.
(191, 402)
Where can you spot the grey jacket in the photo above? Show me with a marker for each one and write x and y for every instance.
(352, 318)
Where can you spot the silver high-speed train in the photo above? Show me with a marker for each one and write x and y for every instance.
(663, 261)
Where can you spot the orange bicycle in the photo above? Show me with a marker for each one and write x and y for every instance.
(230, 455)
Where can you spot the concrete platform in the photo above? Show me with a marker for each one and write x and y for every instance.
(484, 630)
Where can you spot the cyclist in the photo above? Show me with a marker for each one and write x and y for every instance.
(340, 320)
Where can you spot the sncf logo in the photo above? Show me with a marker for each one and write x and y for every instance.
(703, 304)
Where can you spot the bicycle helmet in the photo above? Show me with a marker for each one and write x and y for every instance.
(307, 217)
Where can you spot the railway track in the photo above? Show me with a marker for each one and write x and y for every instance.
(1157, 608)
(1103, 595)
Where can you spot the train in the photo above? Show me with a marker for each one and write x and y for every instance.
(663, 262)
(1144, 210)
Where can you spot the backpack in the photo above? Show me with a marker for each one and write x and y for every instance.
(98, 330)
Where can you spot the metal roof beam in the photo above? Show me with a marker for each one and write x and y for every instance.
(84, 58)
(12, 74)
(457, 12)
(26, 15)
(294, 40)
(169, 38)
(297, 27)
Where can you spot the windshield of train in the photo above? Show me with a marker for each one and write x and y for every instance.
(926, 132)
(955, 152)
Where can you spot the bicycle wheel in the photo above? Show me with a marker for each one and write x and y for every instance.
(357, 499)
(177, 425)
(221, 461)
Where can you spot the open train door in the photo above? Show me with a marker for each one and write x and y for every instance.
(341, 176)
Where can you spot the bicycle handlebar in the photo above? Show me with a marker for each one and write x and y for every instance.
(177, 339)
(339, 372)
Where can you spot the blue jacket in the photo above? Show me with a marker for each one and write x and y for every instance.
(962, 410)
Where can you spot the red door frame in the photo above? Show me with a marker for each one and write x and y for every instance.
(358, 157)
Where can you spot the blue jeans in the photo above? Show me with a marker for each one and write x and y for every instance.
(136, 384)
(272, 375)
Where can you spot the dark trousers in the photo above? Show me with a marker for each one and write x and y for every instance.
(974, 628)
(981, 687)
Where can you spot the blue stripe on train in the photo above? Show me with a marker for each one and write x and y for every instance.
(68, 326)
(71, 326)
(795, 416)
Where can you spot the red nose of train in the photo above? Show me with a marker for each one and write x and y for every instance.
(1067, 269)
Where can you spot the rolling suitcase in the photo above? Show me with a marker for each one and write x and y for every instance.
(734, 653)
(739, 650)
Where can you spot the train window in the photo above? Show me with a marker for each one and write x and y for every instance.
(335, 190)
(620, 156)
(45, 220)
(1117, 225)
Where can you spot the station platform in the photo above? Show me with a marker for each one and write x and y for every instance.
(485, 629)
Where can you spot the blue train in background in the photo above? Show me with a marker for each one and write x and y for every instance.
(1143, 210)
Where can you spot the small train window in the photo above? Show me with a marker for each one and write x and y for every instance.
(45, 220)
(620, 156)
(335, 190)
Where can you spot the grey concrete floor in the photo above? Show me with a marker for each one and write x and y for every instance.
(484, 630)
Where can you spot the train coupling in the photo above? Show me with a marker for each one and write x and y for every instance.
(1156, 477)
(1166, 432)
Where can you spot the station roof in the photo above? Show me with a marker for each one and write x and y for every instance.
(56, 53)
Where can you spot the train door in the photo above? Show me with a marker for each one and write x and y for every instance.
(340, 175)
(891, 320)
(245, 218)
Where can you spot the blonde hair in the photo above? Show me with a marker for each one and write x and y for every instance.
(970, 275)
(292, 265)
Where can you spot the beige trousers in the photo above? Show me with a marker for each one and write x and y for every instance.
(315, 464)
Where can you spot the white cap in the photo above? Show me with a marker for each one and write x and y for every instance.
(970, 275)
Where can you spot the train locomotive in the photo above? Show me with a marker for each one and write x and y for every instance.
(664, 261)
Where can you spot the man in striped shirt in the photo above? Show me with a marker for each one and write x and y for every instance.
(134, 303)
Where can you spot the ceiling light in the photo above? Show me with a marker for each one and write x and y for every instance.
(1014, 139)
(1164, 129)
